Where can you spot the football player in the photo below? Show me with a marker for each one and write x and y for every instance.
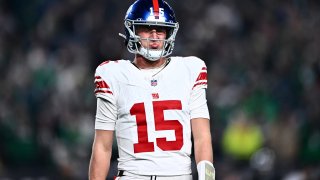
(153, 104)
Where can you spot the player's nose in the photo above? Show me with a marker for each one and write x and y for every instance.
(153, 33)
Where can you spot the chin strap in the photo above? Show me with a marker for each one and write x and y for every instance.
(151, 54)
(206, 170)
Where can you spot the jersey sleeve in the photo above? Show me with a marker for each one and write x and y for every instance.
(106, 115)
(198, 104)
(105, 92)
(198, 101)
(201, 75)
(104, 83)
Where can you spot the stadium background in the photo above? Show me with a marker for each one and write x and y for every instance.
(263, 60)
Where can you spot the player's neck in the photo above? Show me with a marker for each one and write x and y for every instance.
(142, 63)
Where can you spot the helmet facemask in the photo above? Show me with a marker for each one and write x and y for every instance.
(134, 44)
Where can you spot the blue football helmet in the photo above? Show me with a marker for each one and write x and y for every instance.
(150, 13)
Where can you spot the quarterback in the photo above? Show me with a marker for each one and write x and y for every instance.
(154, 104)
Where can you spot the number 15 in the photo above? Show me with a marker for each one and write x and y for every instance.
(144, 145)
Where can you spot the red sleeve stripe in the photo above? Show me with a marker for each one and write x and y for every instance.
(97, 77)
(102, 91)
(156, 8)
(199, 83)
(202, 76)
(101, 86)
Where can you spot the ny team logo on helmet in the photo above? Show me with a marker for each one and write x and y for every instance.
(150, 13)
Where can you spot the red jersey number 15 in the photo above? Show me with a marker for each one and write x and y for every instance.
(144, 145)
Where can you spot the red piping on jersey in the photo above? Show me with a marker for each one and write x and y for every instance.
(199, 83)
(202, 76)
(105, 62)
(100, 83)
(155, 8)
(101, 86)
(102, 91)
(97, 77)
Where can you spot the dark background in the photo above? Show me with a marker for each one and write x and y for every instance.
(263, 63)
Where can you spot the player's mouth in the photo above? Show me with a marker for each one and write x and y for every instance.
(154, 45)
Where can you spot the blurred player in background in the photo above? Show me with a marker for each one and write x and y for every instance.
(154, 104)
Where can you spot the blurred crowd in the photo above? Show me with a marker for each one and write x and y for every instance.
(263, 63)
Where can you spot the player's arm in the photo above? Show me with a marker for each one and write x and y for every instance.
(203, 148)
(103, 140)
(200, 125)
(202, 139)
(101, 155)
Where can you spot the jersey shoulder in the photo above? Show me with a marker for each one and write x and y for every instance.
(106, 76)
(111, 66)
(190, 62)
(112, 69)
(196, 68)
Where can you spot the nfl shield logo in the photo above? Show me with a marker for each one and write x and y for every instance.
(154, 82)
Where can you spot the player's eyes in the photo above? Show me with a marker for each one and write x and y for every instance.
(157, 28)
(150, 29)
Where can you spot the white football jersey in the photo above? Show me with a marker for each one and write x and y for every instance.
(153, 128)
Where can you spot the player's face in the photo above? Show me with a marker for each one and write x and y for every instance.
(152, 36)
